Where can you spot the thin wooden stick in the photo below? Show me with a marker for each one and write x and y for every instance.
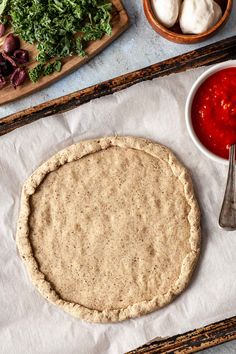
(193, 341)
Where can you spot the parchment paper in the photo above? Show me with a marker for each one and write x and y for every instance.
(154, 110)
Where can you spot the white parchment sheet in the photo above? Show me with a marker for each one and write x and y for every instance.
(154, 110)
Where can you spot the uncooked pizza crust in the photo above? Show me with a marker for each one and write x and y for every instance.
(109, 229)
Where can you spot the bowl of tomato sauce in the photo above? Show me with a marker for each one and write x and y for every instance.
(211, 111)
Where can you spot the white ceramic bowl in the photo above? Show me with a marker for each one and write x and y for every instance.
(188, 108)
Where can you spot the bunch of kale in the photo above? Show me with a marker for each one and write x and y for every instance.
(59, 28)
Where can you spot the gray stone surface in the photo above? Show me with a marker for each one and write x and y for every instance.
(226, 348)
(138, 47)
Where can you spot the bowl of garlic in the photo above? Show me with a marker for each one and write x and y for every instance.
(187, 21)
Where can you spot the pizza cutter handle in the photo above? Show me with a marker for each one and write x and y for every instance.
(227, 218)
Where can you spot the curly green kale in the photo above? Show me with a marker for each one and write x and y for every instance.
(59, 28)
(43, 70)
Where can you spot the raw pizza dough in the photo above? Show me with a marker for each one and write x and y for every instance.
(109, 229)
(198, 16)
(167, 11)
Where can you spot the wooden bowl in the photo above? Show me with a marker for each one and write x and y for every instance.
(175, 34)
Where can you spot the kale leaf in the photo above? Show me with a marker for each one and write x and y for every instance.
(3, 6)
(43, 70)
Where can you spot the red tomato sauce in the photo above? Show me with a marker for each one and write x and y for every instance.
(214, 112)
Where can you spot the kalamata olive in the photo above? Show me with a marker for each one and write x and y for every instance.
(21, 56)
(11, 43)
(2, 82)
(2, 29)
(9, 59)
(18, 77)
(5, 67)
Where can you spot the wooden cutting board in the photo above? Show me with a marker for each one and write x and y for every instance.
(120, 21)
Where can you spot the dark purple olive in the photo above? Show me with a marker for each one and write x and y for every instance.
(2, 29)
(11, 43)
(9, 59)
(21, 56)
(18, 77)
(2, 82)
(5, 66)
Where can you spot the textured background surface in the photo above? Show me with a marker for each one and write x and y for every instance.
(138, 47)
(227, 348)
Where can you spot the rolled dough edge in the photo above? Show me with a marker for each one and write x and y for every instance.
(75, 152)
